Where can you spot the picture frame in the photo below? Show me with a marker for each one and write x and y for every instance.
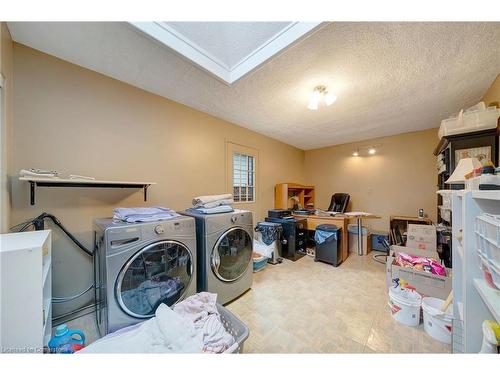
(483, 154)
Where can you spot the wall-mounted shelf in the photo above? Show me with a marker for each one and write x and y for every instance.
(67, 182)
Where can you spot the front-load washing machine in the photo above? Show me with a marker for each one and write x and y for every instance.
(224, 243)
(139, 266)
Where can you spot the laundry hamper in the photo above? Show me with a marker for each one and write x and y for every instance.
(235, 327)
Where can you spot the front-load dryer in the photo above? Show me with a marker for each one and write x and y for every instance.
(138, 266)
(224, 243)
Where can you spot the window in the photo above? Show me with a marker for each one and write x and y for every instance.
(243, 177)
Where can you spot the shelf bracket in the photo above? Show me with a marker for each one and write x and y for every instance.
(32, 193)
(35, 184)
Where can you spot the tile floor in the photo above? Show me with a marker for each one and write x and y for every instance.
(309, 307)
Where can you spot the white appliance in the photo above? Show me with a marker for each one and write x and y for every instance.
(139, 266)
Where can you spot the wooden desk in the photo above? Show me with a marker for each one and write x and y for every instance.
(340, 221)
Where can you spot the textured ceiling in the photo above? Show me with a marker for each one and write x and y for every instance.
(390, 78)
(230, 42)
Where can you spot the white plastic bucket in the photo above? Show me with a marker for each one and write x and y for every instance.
(405, 306)
(437, 324)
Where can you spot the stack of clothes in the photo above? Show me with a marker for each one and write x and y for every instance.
(143, 214)
(213, 204)
(191, 326)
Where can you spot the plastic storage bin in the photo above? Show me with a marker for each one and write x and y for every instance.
(488, 231)
(446, 195)
(328, 244)
(377, 239)
(471, 120)
(445, 213)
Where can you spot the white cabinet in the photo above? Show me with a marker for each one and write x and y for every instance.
(474, 301)
(25, 291)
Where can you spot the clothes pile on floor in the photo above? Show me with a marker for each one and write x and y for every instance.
(191, 326)
(143, 214)
(213, 204)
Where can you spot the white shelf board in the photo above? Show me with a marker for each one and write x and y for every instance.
(46, 270)
(486, 194)
(80, 181)
(460, 310)
(490, 296)
(47, 306)
(460, 251)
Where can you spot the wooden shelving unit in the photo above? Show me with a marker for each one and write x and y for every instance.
(283, 193)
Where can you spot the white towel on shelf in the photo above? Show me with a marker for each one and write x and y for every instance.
(207, 201)
(143, 214)
(215, 210)
(32, 172)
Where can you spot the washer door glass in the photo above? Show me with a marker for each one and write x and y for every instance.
(159, 273)
(232, 254)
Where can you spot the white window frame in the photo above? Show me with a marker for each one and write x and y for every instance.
(244, 172)
(232, 149)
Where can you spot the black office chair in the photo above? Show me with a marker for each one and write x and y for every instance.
(339, 202)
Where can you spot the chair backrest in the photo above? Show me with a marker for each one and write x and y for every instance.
(339, 202)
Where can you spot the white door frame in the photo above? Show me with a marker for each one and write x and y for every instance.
(3, 176)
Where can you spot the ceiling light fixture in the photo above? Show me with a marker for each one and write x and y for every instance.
(367, 150)
(319, 93)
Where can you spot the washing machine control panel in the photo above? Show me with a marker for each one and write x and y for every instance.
(159, 229)
(234, 219)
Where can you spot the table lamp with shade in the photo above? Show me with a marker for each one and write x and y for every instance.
(465, 166)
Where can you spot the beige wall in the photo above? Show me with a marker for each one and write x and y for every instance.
(6, 71)
(398, 180)
(76, 121)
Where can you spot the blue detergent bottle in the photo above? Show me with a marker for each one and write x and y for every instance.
(64, 342)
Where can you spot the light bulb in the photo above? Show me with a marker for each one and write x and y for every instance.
(330, 99)
(372, 151)
(355, 153)
(314, 100)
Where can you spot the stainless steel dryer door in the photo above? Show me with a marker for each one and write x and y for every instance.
(158, 273)
(231, 254)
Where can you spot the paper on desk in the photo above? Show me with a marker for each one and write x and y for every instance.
(356, 213)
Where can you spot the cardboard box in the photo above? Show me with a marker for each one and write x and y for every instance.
(426, 283)
(421, 237)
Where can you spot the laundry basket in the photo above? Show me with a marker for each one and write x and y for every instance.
(235, 327)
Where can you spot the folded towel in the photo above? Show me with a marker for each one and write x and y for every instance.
(204, 199)
(144, 214)
(214, 210)
(38, 173)
(221, 202)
